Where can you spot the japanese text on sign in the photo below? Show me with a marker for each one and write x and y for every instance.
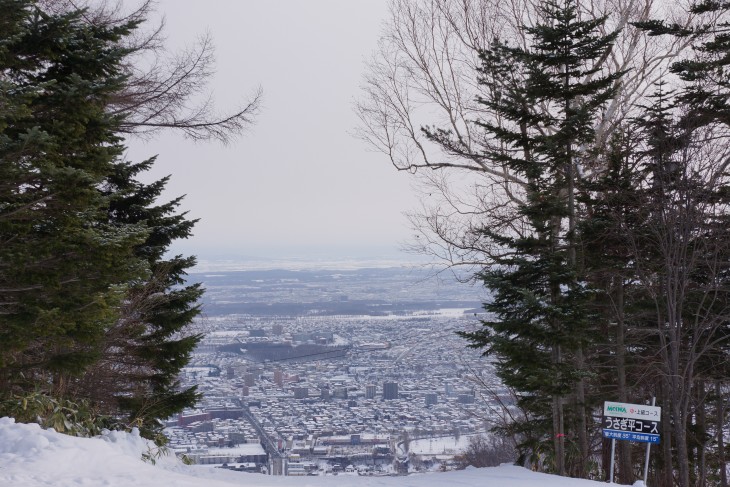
(638, 437)
(632, 422)
(636, 411)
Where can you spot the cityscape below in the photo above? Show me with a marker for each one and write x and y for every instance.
(316, 372)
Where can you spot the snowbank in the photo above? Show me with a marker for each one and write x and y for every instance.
(32, 457)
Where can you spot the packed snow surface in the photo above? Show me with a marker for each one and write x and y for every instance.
(32, 457)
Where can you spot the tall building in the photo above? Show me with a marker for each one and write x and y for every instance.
(340, 393)
(390, 390)
(466, 399)
(370, 391)
(249, 380)
(278, 377)
(431, 399)
(301, 392)
(324, 394)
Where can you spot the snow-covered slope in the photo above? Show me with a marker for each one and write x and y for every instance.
(32, 457)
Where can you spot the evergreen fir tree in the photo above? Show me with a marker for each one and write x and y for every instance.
(617, 249)
(548, 96)
(91, 307)
(685, 257)
(706, 91)
(63, 267)
(700, 120)
(148, 346)
(658, 229)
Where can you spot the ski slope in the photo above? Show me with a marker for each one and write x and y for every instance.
(32, 457)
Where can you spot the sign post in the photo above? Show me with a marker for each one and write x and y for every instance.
(648, 447)
(613, 455)
(631, 422)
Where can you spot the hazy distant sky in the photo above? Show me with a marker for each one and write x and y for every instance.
(298, 182)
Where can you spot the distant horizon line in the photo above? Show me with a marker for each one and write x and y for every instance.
(252, 263)
(304, 256)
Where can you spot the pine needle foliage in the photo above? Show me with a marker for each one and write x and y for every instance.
(92, 309)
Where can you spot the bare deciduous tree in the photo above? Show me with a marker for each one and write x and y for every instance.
(420, 101)
(164, 90)
(488, 451)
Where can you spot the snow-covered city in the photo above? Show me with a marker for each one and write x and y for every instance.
(382, 394)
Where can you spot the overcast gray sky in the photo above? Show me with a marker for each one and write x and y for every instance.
(298, 183)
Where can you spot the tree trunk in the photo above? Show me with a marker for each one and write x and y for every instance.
(625, 468)
(680, 439)
(679, 417)
(721, 434)
(668, 474)
(559, 433)
(678, 379)
(606, 458)
(580, 394)
(701, 434)
(558, 410)
(580, 471)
